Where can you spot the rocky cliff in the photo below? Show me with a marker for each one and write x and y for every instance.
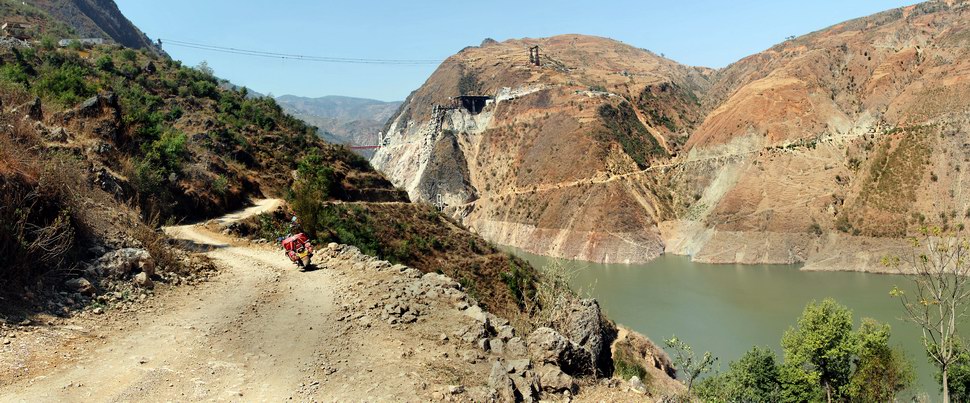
(811, 151)
(96, 19)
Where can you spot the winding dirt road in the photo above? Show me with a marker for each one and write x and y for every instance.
(259, 331)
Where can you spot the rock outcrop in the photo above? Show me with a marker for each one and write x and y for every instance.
(124, 263)
(514, 368)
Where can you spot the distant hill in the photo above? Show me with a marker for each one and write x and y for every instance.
(96, 19)
(343, 120)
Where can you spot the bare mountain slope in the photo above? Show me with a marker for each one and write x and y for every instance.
(811, 151)
(531, 169)
(96, 19)
(852, 132)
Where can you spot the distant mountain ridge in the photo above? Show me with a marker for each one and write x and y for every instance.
(344, 120)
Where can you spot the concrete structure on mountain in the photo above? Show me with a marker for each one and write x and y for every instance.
(83, 41)
(534, 56)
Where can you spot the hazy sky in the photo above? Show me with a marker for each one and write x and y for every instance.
(701, 32)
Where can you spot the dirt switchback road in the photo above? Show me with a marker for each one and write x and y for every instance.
(258, 331)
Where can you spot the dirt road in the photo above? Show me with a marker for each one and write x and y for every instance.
(259, 331)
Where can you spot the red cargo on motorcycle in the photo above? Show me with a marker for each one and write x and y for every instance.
(299, 249)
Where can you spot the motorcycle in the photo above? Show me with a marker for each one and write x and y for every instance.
(299, 250)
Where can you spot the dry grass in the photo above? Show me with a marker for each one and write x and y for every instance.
(39, 232)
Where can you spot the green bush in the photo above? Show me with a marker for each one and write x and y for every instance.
(623, 126)
(105, 63)
(48, 42)
(129, 54)
(168, 153)
(521, 282)
(14, 73)
(141, 112)
(66, 85)
(204, 89)
(625, 366)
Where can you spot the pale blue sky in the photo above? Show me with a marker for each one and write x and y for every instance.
(703, 32)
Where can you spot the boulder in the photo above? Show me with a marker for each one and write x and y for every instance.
(439, 280)
(519, 366)
(497, 346)
(498, 379)
(31, 110)
(142, 280)
(58, 135)
(476, 312)
(123, 262)
(585, 325)
(513, 382)
(527, 385)
(506, 332)
(80, 285)
(90, 106)
(547, 346)
(553, 380)
(636, 385)
(516, 347)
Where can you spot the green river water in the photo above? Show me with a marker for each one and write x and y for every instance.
(727, 309)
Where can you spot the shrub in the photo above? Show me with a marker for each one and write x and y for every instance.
(468, 83)
(626, 366)
(168, 152)
(520, 282)
(65, 85)
(105, 63)
(48, 42)
(204, 89)
(220, 185)
(14, 73)
(623, 127)
(129, 54)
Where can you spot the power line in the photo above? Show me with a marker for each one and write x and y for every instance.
(287, 56)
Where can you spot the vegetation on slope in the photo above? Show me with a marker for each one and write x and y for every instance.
(103, 140)
(623, 126)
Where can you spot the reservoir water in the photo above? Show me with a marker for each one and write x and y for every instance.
(727, 309)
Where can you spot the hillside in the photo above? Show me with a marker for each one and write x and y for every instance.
(833, 142)
(96, 19)
(106, 142)
(532, 168)
(108, 150)
(342, 120)
(806, 152)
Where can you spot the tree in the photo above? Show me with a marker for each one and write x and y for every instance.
(959, 383)
(798, 385)
(821, 345)
(205, 69)
(939, 271)
(686, 361)
(753, 378)
(881, 371)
